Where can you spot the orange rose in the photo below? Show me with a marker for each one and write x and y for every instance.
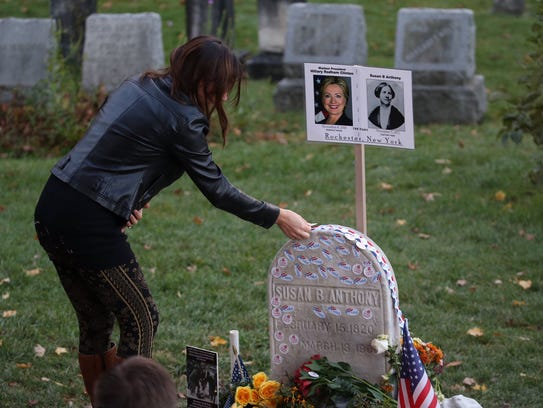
(259, 378)
(268, 389)
(243, 395)
(255, 398)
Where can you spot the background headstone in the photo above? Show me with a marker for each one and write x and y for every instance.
(321, 33)
(216, 18)
(513, 7)
(272, 29)
(118, 46)
(331, 294)
(70, 16)
(26, 44)
(438, 47)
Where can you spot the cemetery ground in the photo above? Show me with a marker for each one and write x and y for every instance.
(457, 217)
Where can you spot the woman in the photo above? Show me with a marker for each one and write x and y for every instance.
(386, 115)
(148, 133)
(334, 97)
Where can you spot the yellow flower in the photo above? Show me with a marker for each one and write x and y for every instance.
(259, 378)
(268, 389)
(255, 398)
(243, 395)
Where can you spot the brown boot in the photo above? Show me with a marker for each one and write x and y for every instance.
(93, 365)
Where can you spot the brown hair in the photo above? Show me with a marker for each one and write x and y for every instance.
(336, 81)
(205, 63)
(138, 382)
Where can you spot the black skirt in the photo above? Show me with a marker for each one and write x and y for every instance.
(74, 229)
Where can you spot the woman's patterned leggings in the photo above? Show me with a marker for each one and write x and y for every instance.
(100, 297)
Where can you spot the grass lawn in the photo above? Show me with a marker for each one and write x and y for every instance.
(457, 217)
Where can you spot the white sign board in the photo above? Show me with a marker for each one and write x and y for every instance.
(359, 105)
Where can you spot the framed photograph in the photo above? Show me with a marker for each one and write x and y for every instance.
(202, 378)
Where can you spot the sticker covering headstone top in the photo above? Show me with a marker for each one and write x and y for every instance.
(331, 294)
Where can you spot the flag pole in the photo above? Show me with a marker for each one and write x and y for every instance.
(360, 180)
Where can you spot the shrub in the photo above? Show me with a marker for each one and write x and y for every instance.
(527, 116)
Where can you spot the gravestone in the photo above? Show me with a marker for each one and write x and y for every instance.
(320, 33)
(438, 47)
(26, 44)
(118, 46)
(70, 16)
(211, 17)
(331, 294)
(512, 7)
(272, 28)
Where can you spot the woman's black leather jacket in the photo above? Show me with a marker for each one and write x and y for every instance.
(141, 141)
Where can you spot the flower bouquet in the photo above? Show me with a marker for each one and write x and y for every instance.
(320, 382)
(256, 391)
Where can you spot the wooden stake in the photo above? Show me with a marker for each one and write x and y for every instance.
(360, 180)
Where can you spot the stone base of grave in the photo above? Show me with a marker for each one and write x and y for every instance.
(266, 65)
(512, 7)
(457, 104)
(289, 95)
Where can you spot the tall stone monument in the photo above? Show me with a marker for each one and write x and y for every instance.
(211, 17)
(438, 46)
(272, 29)
(331, 294)
(26, 45)
(70, 16)
(320, 33)
(118, 46)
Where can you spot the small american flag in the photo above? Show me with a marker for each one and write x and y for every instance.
(239, 373)
(416, 390)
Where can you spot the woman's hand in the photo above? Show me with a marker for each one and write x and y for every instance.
(135, 217)
(293, 225)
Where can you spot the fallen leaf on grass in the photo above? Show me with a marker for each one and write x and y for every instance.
(442, 161)
(33, 272)
(5, 296)
(386, 187)
(519, 303)
(525, 284)
(453, 364)
(401, 222)
(23, 365)
(422, 235)
(430, 196)
(4, 280)
(526, 235)
(469, 381)
(9, 313)
(480, 387)
(412, 266)
(475, 332)
(192, 268)
(197, 220)
(60, 350)
(461, 282)
(39, 351)
(500, 195)
(216, 341)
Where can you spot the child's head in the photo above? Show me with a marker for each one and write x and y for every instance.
(136, 382)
